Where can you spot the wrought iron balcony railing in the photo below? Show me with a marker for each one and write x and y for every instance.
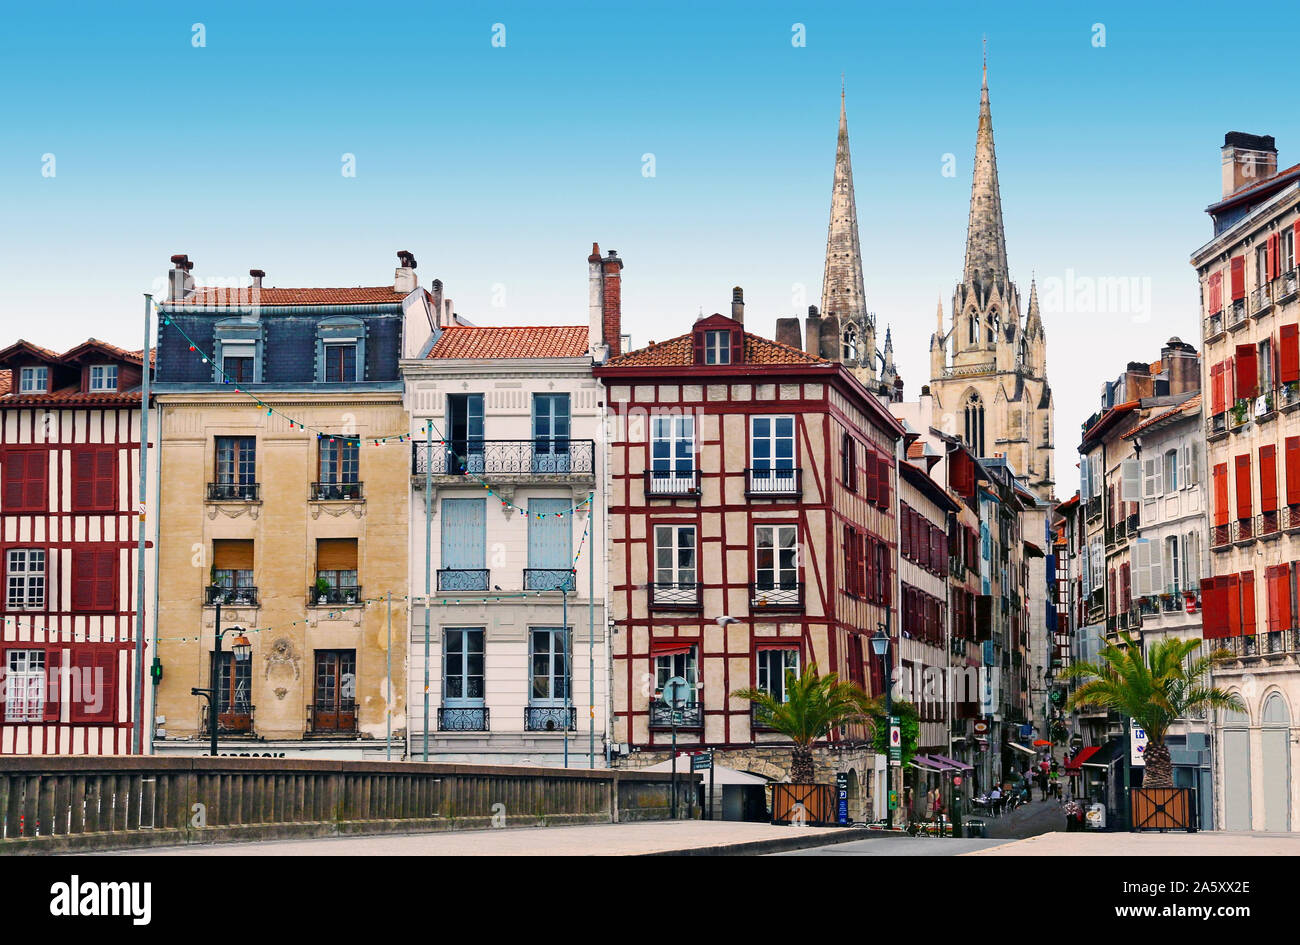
(1220, 536)
(324, 717)
(773, 596)
(1288, 395)
(1237, 313)
(230, 596)
(759, 718)
(1216, 425)
(231, 720)
(549, 579)
(1290, 517)
(1261, 300)
(1288, 286)
(550, 718)
(1267, 524)
(1214, 325)
(688, 716)
(333, 595)
(773, 483)
(672, 483)
(464, 719)
(1243, 529)
(234, 491)
(336, 492)
(1092, 508)
(675, 595)
(463, 579)
(539, 457)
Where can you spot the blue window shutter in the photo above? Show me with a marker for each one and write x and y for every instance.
(464, 533)
(550, 538)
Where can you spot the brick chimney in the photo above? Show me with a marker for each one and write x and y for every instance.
(738, 304)
(1183, 365)
(1247, 159)
(258, 275)
(404, 280)
(180, 282)
(604, 304)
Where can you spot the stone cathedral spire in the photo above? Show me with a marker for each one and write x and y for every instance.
(986, 245)
(845, 327)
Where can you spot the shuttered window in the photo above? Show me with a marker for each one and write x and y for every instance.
(1248, 602)
(335, 554)
(94, 580)
(1243, 486)
(1238, 277)
(93, 695)
(1289, 354)
(26, 480)
(1216, 293)
(94, 479)
(232, 554)
(1268, 478)
(1293, 470)
(1247, 372)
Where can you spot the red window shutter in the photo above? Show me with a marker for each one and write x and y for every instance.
(1216, 292)
(1270, 597)
(1110, 597)
(737, 345)
(83, 580)
(53, 683)
(699, 347)
(871, 570)
(905, 526)
(106, 479)
(1232, 604)
(15, 476)
(94, 697)
(883, 491)
(83, 479)
(1218, 389)
(1125, 587)
(1270, 252)
(1293, 470)
(1284, 597)
(1248, 602)
(1243, 486)
(1220, 476)
(1289, 354)
(1268, 478)
(1238, 277)
(883, 573)
(1247, 371)
(105, 580)
(1213, 618)
(873, 478)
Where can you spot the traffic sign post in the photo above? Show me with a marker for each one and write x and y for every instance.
(674, 696)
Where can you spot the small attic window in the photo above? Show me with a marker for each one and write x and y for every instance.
(33, 380)
(718, 346)
(103, 377)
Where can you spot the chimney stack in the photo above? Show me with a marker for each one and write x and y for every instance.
(258, 275)
(787, 332)
(738, 304)
(180, 282)
(404, 280)
(1247, 159)
(1182, 364)
(604, 304)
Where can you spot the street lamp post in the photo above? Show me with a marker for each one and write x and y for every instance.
(880, 646)
(242, 650)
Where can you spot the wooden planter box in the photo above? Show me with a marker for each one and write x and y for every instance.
(1163, 808)
(811, 804)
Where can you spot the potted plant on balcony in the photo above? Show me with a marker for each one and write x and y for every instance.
(322, 590)
(215, 590)
(1240, 410)
(350, 595)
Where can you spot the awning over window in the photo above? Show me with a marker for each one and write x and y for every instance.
(670, 647)
(1076, 763)
(953, 762)
(777, 645)
(1021, 748)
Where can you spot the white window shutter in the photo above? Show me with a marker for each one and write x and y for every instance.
(1185, 454)
(1083, 567)
(1151, 487)
(1083, 480)
(1132, 481)
(1194, 465)
(1098, 572)
(1094, 475)
(1141, 565)
(1157, 576)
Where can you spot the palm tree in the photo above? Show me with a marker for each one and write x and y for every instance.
(814, 706)
(1153, 692)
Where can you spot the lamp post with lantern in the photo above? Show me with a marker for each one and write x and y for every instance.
(242, 650)
(880, 646)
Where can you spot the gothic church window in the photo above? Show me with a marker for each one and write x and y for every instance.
(994, 324)
(975, 425)
(850, 347)
(973, 335)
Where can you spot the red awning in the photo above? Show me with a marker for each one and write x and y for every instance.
(1076, 763)
(667, 647)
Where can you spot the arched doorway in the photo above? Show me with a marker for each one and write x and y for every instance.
(1275, 744)
(1234, 738)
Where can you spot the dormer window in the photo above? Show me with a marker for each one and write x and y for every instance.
(340, 350)
(34, 380)
(340, 362)
(103, 377)
(717, 347)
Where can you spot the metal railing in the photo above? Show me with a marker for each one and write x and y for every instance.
(1288, 395)
(336, 492)
(333, 595)
(1243, 529)
(463, 579)
(774, 483)
(689, 716)
(1290, 517)
(506, 457)
(1092, 508)
(769, 595)
(550, 718)
(230, 596)
(1237, 313)
(672, 483)
(1261, 300)
(1216, 424)
(549, 579)
(324, 717)
(1220, 536)
(471, 719)
(236, 721)
(675, 595)
(1214, 325)
(1239, 414)
(234, 491)
(1289, 286)
(1267, 523)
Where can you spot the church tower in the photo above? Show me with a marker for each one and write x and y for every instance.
(844, 330)
(990, 371)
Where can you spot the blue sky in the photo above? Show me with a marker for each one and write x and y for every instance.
(499, 165)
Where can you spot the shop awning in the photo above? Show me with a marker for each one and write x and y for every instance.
(939, 763)
(953, 762)
(1019, 747)
(1106, 755)
(924, 763)
(1075, 764)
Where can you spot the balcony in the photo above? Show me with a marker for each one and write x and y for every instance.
(773, 483)
(1092, 508)
(759, 719)
(236, 720)
(234, 492)
(688, 716)
(333, 596)
(678, 595)
(1220, 537)
(1214, 327)
(1288, 286)
(550, 718)
(1237, 314)
(1288, 397)
(1290, 518)
(1239, 416)
(1131, 525)
(470, 719)
(771, 597)
(1268, 525)
(335, 492)
(1216, 426)
(230, 596)
(329, 719)
(1243, 531)
(549, 579)
(517, 459)
(1261, 301)
(672, 484)
(463, 579)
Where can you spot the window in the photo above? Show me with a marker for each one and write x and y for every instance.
(93, 692)
(849, 349)
(234, 687)
(340, 363)
(94, 580)
(464, 433)
(551, 433)
(1173, 568)
(717, 347)
(973, 329)
(550, 546)
(683, 664)
(103, 377)
(672, 453)
(464, 545)
(232, 571)
(975, 425)
(25, 579)
(1171, 471)
(94, 479)
(339, 461)
(550, 666)
(236, 466)
(26, 488)
(1265, 362)
(849, 462)
(1288, 249)
(772, 668)
(776, 563)
(237, 368)
(1261, 265)
(336, 565)
(772, 443)
(994, 324)
(335, 708)
(34, 380)
(25, 686)
(675, 556)
(462, 667)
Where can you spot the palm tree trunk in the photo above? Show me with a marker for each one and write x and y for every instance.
(801, 764)
(1159, 767)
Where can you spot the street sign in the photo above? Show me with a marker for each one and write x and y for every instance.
(956, 780)
(1137, 740)
(981, 726)
(893, 800)
(842, 796)
(702, 762)
(895, 740)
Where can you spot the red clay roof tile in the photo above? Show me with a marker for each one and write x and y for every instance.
(536, 341)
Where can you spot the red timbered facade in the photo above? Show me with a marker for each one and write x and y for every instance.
(752, 481)
(69, 499)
